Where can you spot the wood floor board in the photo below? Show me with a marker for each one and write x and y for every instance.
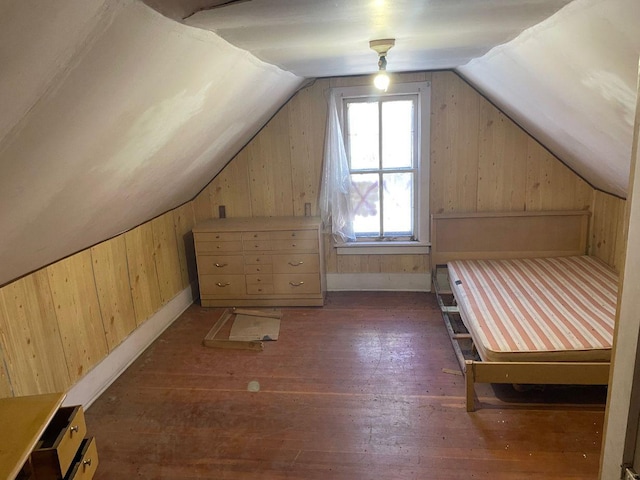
(354, 390)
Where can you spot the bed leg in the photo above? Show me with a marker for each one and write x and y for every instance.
(470, 386)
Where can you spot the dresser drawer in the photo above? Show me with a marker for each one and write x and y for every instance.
(308, 244)
(220, 264)
(289, 234)
(260, 289)
(253, 236)
(257, 245)
(258, 268)
(222, 285)
(296, 263)
(217, 247)
(59, 443)
(218, 237)
(303, 283)
(257, 259)
(85, 462)
(259, 279)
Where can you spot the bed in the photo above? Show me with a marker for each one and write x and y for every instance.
(535, 309)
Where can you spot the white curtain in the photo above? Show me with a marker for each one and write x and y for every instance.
(335, 188)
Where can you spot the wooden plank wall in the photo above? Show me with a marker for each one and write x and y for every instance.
(59, 322)
(607, 238)
(480, 161)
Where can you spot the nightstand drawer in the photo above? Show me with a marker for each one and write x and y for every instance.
(59, 443)
(85, 462)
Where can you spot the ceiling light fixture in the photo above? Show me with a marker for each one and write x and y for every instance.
(381, 80)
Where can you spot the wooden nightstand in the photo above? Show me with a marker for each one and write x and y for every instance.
(41, 440)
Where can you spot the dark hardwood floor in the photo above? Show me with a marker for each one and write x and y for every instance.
(354, 390)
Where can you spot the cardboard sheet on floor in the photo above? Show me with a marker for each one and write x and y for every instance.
(260, 325)
(250, 327)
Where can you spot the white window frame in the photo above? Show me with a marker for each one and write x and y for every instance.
(422, 242)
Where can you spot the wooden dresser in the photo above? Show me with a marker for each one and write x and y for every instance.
(260, 261)
(40, 440)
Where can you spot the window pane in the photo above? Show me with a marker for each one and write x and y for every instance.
(363, 136)
(398, 204)
(397, 134)
(365, 199)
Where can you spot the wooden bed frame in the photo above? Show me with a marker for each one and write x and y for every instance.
(496, 235)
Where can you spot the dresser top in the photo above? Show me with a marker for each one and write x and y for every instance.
(242, 224)
(22, 421)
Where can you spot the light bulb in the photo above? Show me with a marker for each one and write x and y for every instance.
(381, 81)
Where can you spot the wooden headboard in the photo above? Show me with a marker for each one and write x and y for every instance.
(492, 235)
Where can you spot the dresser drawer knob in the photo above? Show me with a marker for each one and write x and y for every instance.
(220, 284)
(295, 264)
(220, 265)
(87, 462)
(294, 284)
(74, 428)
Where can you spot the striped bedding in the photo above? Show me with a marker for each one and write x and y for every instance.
(538, 309)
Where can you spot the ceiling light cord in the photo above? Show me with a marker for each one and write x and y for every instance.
(382, 62)
(381, 80)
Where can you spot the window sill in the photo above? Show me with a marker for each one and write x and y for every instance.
(382, 248)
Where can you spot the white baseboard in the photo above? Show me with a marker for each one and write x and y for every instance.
(94, 383)
(403, 282)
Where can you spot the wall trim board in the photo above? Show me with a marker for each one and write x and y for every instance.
(401, 282)
(93, 384)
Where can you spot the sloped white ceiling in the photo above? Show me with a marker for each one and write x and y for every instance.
(571, 81)
(566, 71)
(322, 38)
(112, 114)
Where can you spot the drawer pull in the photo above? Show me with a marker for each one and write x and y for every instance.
(295, 264)
(220, 265)
(74, 428)
(87, 462)
(293, 244)
(220, 284)
(294, 284)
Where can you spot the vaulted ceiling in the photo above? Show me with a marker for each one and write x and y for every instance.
(115, 111)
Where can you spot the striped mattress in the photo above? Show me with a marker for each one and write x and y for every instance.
(538, 309)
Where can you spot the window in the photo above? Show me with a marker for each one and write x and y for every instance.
(381, 147)
(386, 141)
